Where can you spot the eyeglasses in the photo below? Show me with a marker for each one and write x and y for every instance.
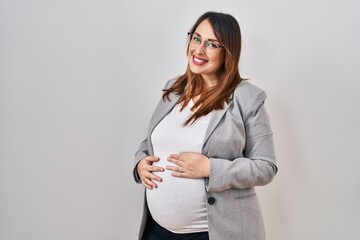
(211, 47)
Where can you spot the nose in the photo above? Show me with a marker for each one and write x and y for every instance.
(200, 49)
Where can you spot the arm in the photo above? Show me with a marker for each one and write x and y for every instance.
(143, 170)
(257, 167)
(141, 153)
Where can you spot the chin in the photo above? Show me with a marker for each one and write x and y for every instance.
(195, 69)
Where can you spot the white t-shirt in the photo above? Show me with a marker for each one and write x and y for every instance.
(178, 204)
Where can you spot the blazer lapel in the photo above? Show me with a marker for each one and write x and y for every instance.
(214, 121)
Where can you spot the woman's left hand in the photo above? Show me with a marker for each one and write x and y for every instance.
(189, 165)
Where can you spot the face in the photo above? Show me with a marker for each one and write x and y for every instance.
(205, 60)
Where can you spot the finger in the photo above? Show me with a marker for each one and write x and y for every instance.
(156, 169)
(146, 172)
(175, 169)
(176, 161)
(175, 156)
(151, 159)
(180, 175)
(148, 183)
(154, 177)
(185, 153)
(188, 154)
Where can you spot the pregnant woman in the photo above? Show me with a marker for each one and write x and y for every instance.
(209, 143)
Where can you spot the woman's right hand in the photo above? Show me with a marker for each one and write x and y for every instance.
(145, 170)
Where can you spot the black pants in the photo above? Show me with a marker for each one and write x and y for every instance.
(154, 231)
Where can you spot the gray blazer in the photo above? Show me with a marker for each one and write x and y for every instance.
(240, 147)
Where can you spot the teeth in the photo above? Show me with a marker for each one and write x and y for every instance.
(198, 60)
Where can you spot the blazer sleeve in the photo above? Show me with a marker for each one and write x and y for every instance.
(140, 154)
(143, 150)
(257, 165)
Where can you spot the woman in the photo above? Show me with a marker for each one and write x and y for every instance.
(209, 144)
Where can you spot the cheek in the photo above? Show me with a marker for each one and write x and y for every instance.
(221, 61)
(217, 63)
(189, 54)
(190, 60)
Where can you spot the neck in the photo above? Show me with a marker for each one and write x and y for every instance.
(210, 81)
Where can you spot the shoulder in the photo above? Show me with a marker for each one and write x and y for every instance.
(171, 82)
(248, 96)
(246, 90)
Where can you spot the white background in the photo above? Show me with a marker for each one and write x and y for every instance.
(79, 80)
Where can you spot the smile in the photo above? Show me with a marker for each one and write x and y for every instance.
(198, 61)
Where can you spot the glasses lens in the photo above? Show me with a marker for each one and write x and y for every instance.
(210, 47)
(195, 41)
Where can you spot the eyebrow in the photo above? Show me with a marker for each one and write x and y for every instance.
(214, 40)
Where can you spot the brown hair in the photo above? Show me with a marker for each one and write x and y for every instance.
(188, 85)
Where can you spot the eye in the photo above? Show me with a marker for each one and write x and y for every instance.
(196, 39)
(212, 45)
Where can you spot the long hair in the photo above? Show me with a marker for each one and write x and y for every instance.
(226, 29)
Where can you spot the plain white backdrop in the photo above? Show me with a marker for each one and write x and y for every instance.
(79, 81)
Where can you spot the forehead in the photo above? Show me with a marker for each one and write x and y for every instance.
(205, 30)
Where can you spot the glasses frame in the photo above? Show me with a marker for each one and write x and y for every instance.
(206, 46)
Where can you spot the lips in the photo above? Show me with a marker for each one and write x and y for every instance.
(198, 61)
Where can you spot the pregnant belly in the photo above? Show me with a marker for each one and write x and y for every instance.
(178, 204)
